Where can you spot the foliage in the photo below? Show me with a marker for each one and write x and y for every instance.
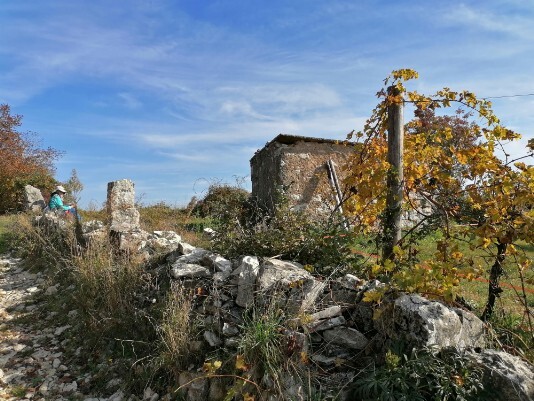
(74, 187)
(104, 285)
(22, 161)
(222, 202)
(450, 162)
(268, 354)
(41, 247)
(421, 375)
(288, 234)
(162, 216)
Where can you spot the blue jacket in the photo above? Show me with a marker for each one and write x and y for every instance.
(57, 203)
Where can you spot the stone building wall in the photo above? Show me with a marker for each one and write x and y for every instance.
(297, 166)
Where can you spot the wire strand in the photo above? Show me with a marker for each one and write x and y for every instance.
(505, 96)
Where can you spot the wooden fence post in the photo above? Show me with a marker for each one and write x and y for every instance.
(392, 221)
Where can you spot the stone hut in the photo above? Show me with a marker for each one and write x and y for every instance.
(297, 167)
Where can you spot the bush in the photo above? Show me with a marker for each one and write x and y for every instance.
(421, 375)
(289, 235)
(222, 202)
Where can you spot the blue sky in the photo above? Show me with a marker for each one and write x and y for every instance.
(179, 94)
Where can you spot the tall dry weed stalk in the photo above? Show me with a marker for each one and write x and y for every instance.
(108, 293)
(177, 326)
(42, 247)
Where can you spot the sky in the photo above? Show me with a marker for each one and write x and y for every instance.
(178, 95)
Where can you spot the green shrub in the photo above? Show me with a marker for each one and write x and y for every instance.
(270, 355)
(289, 235)
(222, 202)
(421, 375)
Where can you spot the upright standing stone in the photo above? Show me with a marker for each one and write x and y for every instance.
(123, 215)
(33, 199)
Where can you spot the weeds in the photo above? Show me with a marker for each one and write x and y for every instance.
(262, 339)
(18, 391)
(176, 328)
(5, 223)
(108, 292)
(511, 334)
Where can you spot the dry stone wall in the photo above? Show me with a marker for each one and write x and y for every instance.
(324, 319)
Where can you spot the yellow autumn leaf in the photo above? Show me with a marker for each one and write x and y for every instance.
(389, 265)
(376, 269)
(372, 296)
(211, 367)
(485, 242)
(248, 397)
(240, 363)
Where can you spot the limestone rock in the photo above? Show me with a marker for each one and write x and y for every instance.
(350, 282)
(507, 376)
(130, 241)
(289, 282)
(326, 324)
(94, 232)
(247, 272)
(196, 255)
(419, 322)
(171, 236)
(327, 313)
(218, 263)
(229, 330)
(188, 270)
(121, 206)
(217, 390)
(186, 248)
(33, 199)
(212, 338)
(92, 225)
(346, 337)
(194, 387)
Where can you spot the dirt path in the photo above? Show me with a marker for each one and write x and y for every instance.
(33, 362)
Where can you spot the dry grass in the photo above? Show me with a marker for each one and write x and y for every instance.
(164, 217)
(176, 328)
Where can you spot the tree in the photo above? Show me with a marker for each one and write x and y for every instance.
(74, 187)
(22, 161)
(451, 162)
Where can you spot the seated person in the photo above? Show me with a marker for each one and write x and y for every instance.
(56, 202)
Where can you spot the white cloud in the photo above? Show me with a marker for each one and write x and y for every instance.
(241, 108)
(130, 101)
(516, 24)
